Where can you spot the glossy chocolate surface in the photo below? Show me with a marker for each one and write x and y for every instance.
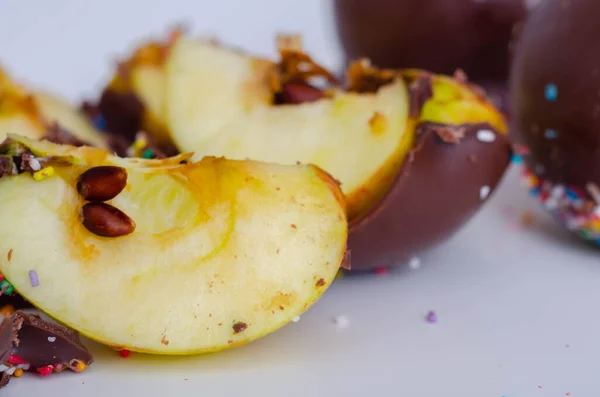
(44, 343)
(555, 91)
(436, 35)
(447, 177)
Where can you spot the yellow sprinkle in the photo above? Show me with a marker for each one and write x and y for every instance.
(80, 367)
(43, 173)
(7, 311)
(139, 144)
(18, 373)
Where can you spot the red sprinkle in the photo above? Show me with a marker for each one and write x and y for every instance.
(567, 394)
(13, 359)
(381, 270)
(45, 371)
(1, 277)
(539, 386)
(124, 353)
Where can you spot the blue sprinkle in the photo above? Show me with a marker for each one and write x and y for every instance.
(516, 159)
(572, 195)
(551, 92)
(551, 134)
(99, 122)
(535, 192)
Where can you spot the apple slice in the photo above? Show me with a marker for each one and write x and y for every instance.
(220, 102)
(200, 256)
(32, 114)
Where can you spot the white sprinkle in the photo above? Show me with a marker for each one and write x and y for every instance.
(558, 191)
(551, 203)
(486, 136)
(341, 322)
(594, 191)
(414, 263)
(296, 319)
(52, 339)
(35, 165)
(484, 192)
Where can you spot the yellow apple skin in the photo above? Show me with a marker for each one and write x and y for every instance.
(218, 243)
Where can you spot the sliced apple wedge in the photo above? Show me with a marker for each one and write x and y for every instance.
(220, 102)
(32, 114)
(219, 252)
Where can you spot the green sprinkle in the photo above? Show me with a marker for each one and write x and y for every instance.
(148, 154)
(6, 288)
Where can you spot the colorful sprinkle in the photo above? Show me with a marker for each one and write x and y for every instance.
(484, 192)
(43, 173)
(486, 136)
(45, 371)
(124, 353)
(431, 317)
(6, 288)
(551, 92)
(18, 373)
(570, 205)
(516, 159)
(99, 122)
(6, 311)
(381, 270)
(551, 134)
(52, 339)
(296, 319)
(33, 277)
(414, 263)
(148, 154)
(341, 322)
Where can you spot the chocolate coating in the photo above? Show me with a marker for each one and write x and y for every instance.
(436, 35)
(8, 337)
(435, 193)
(555, 91)
(36, 348)
(123, 113)
(15, 300)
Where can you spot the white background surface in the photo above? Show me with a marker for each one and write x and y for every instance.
(517, 305)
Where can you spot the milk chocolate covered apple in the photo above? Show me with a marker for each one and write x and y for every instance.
(555, 94)
(398, 141)
(173, 256)
(437, 35)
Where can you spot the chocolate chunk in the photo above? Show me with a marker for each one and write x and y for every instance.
(123, 113)
(9, 328)
(59, 135)
(7, 166)
(421, 90)
(437, 190)
(43, 343)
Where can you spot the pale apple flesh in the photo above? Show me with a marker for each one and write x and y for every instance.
(220, 103)
(32, 114)
(224, 251)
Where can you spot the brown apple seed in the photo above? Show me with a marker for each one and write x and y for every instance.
(297, 93)
(106, 221)
(102, 183)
